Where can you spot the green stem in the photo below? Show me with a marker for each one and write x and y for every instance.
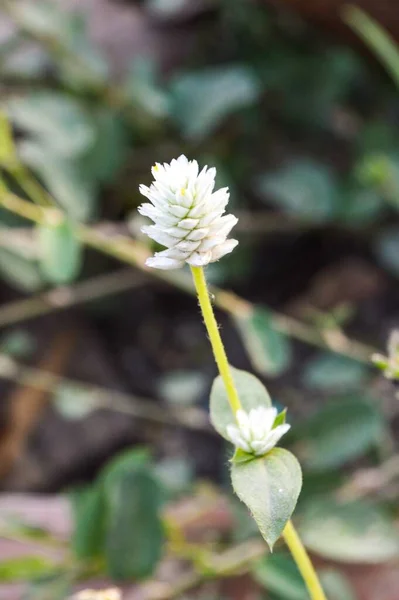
(30, 186)
(303, 562)
(290, 535)
(214, 337)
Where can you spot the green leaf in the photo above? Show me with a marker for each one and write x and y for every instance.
(240, 456)
(358, 532)
(360, 206)
(251, 391)
(90, 519)
(279, 575)
(18, 344)
(20, 271)
(202, 100)
(280, 419)
(269, 486)
(268, 349)
(67, 179)
(182, 387)
(305, 189)
(56, 121)
(129, 461)
(329, 371)
(336, 585)
(41, 18)
(54, 587)
(103, 160)
(342, 430)
(60, 251)
(143, 90)
(321, 483)
(134, 535)
(74, 403)
(387, 249)
(24, 567)
(83, 67)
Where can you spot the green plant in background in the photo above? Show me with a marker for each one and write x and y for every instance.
(189, 220)
(76, 138)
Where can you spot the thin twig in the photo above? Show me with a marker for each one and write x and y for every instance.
(66, 296)
(99, 397)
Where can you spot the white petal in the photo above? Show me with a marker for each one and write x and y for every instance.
(223, 225)
(236, 438)
(177, 210)
(182, 160)
(157, 234)
(198, 234)
(188, 246)
(223, 249)
(260, 447)
(242, 419)
(209, 243)
(199, 260)
(277, 433)
(184, 198)
(175, 253)
(264, 418)
(177, 232)
(244, 424)
(157, 262)
(188, 223)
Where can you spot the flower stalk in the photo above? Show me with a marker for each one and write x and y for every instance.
(303, 562)
(290, 535)
(214, 337)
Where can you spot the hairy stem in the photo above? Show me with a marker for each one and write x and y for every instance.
(214, 337)
(303, 562)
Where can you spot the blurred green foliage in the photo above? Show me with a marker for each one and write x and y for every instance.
(298, 129)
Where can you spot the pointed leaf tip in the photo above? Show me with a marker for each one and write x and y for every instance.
(269, 486)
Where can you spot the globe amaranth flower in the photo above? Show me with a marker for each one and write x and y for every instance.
(254, 431)
(188, 215)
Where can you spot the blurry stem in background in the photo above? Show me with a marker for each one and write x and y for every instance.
(30, 186)
(377, 38)
(99, 397)
(135, 253)
(70, 295)
(290, 535)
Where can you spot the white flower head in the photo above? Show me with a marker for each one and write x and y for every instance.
(254, 431)
(188, 215)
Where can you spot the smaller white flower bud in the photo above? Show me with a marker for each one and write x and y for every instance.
(389, 364)
(188, 215)
(254, 432)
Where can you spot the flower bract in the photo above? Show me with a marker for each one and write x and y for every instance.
(254, 432)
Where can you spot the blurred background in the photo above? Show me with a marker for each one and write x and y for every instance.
(110, 473)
